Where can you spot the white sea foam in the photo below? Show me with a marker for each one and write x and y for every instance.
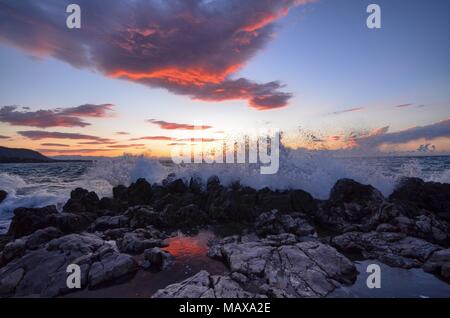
(313, 171)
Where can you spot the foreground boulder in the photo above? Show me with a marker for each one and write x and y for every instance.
(393, 249)
(42, 272)
(204, 285)
(3, 195)
(279, 266)
(27, 220)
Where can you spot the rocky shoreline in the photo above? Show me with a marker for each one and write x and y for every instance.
(290, 244)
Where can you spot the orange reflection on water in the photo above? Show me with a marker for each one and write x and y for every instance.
(188, 246)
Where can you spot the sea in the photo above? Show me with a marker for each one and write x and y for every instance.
(42, 184)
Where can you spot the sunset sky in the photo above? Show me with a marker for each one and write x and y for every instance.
(139, 70)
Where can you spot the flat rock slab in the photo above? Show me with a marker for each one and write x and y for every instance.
(286, 268)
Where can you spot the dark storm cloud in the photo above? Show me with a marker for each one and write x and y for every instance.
(428, 132)
(61, 117)
(189, 47)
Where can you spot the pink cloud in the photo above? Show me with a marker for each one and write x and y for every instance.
(147, 42)
(61, 117)
(172, 126)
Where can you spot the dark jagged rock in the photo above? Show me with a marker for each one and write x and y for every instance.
(352, 206)
(13, 250)
(27, 220)
(204, 285)
(107, 222)
(81, 200)
(268, 200)
(120, 192)
(439, 264)
(138, 193)
(187, 217)
(42, 272)
(394, 249)
(225, 205)
(135, 217)
(356, 207)
(157, 259)
(3, 195)
(303, 202)
(279, 266)
(176, 186)
(109, 205)
(274, 222)
(178, 200)
(415, 222)
(143, 216)
(350, 191)
(213, 184)
(41, 237)
(431, 196)
(195, 185)
(18, 247)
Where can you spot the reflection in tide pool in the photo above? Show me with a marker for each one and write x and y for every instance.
(184, 247)
(395, 283)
